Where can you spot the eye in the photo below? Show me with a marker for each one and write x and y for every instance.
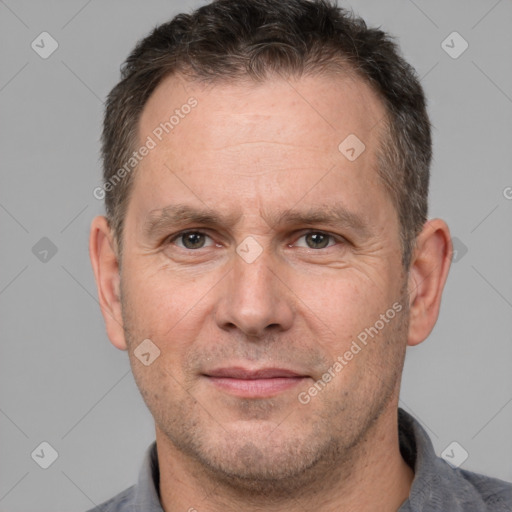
(191, 240)
(317, 240)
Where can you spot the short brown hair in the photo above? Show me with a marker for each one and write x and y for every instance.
(247, 39)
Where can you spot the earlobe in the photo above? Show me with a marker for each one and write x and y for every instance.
(106, 272)
(427, 276)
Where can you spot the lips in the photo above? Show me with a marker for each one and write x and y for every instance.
(257, 383)
(262, 373)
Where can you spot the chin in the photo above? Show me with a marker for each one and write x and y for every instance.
(262, 460)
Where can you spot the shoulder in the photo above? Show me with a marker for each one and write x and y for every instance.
(456, 490)
(122, 502)
(495, 494)
(438, 486)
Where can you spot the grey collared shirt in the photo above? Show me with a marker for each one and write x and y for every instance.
(437, 487)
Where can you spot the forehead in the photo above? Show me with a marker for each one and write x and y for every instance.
(310, 112)
(242, 144)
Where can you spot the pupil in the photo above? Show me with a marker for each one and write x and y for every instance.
(318, 239)
(193, 240)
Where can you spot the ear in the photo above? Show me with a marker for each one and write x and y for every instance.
(106, 272)
(427, 276)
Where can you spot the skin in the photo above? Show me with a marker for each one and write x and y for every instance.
(249, 152)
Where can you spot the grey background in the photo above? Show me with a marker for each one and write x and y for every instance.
(60, 379)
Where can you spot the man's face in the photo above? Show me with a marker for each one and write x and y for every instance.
(251, 309)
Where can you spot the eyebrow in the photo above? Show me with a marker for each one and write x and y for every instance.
(159, 221)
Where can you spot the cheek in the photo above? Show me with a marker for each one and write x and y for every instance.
(358, 326)
(152, 311)
(345, 302)
(159, 300)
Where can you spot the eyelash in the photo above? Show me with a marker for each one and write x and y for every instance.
(177, 236)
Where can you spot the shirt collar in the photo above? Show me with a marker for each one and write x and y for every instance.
(436, 487)
(147, 492)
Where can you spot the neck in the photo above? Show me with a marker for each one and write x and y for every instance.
(372, 477)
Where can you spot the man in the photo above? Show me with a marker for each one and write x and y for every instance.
(266, 259)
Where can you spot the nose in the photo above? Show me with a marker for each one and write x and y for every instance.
(255, 298)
